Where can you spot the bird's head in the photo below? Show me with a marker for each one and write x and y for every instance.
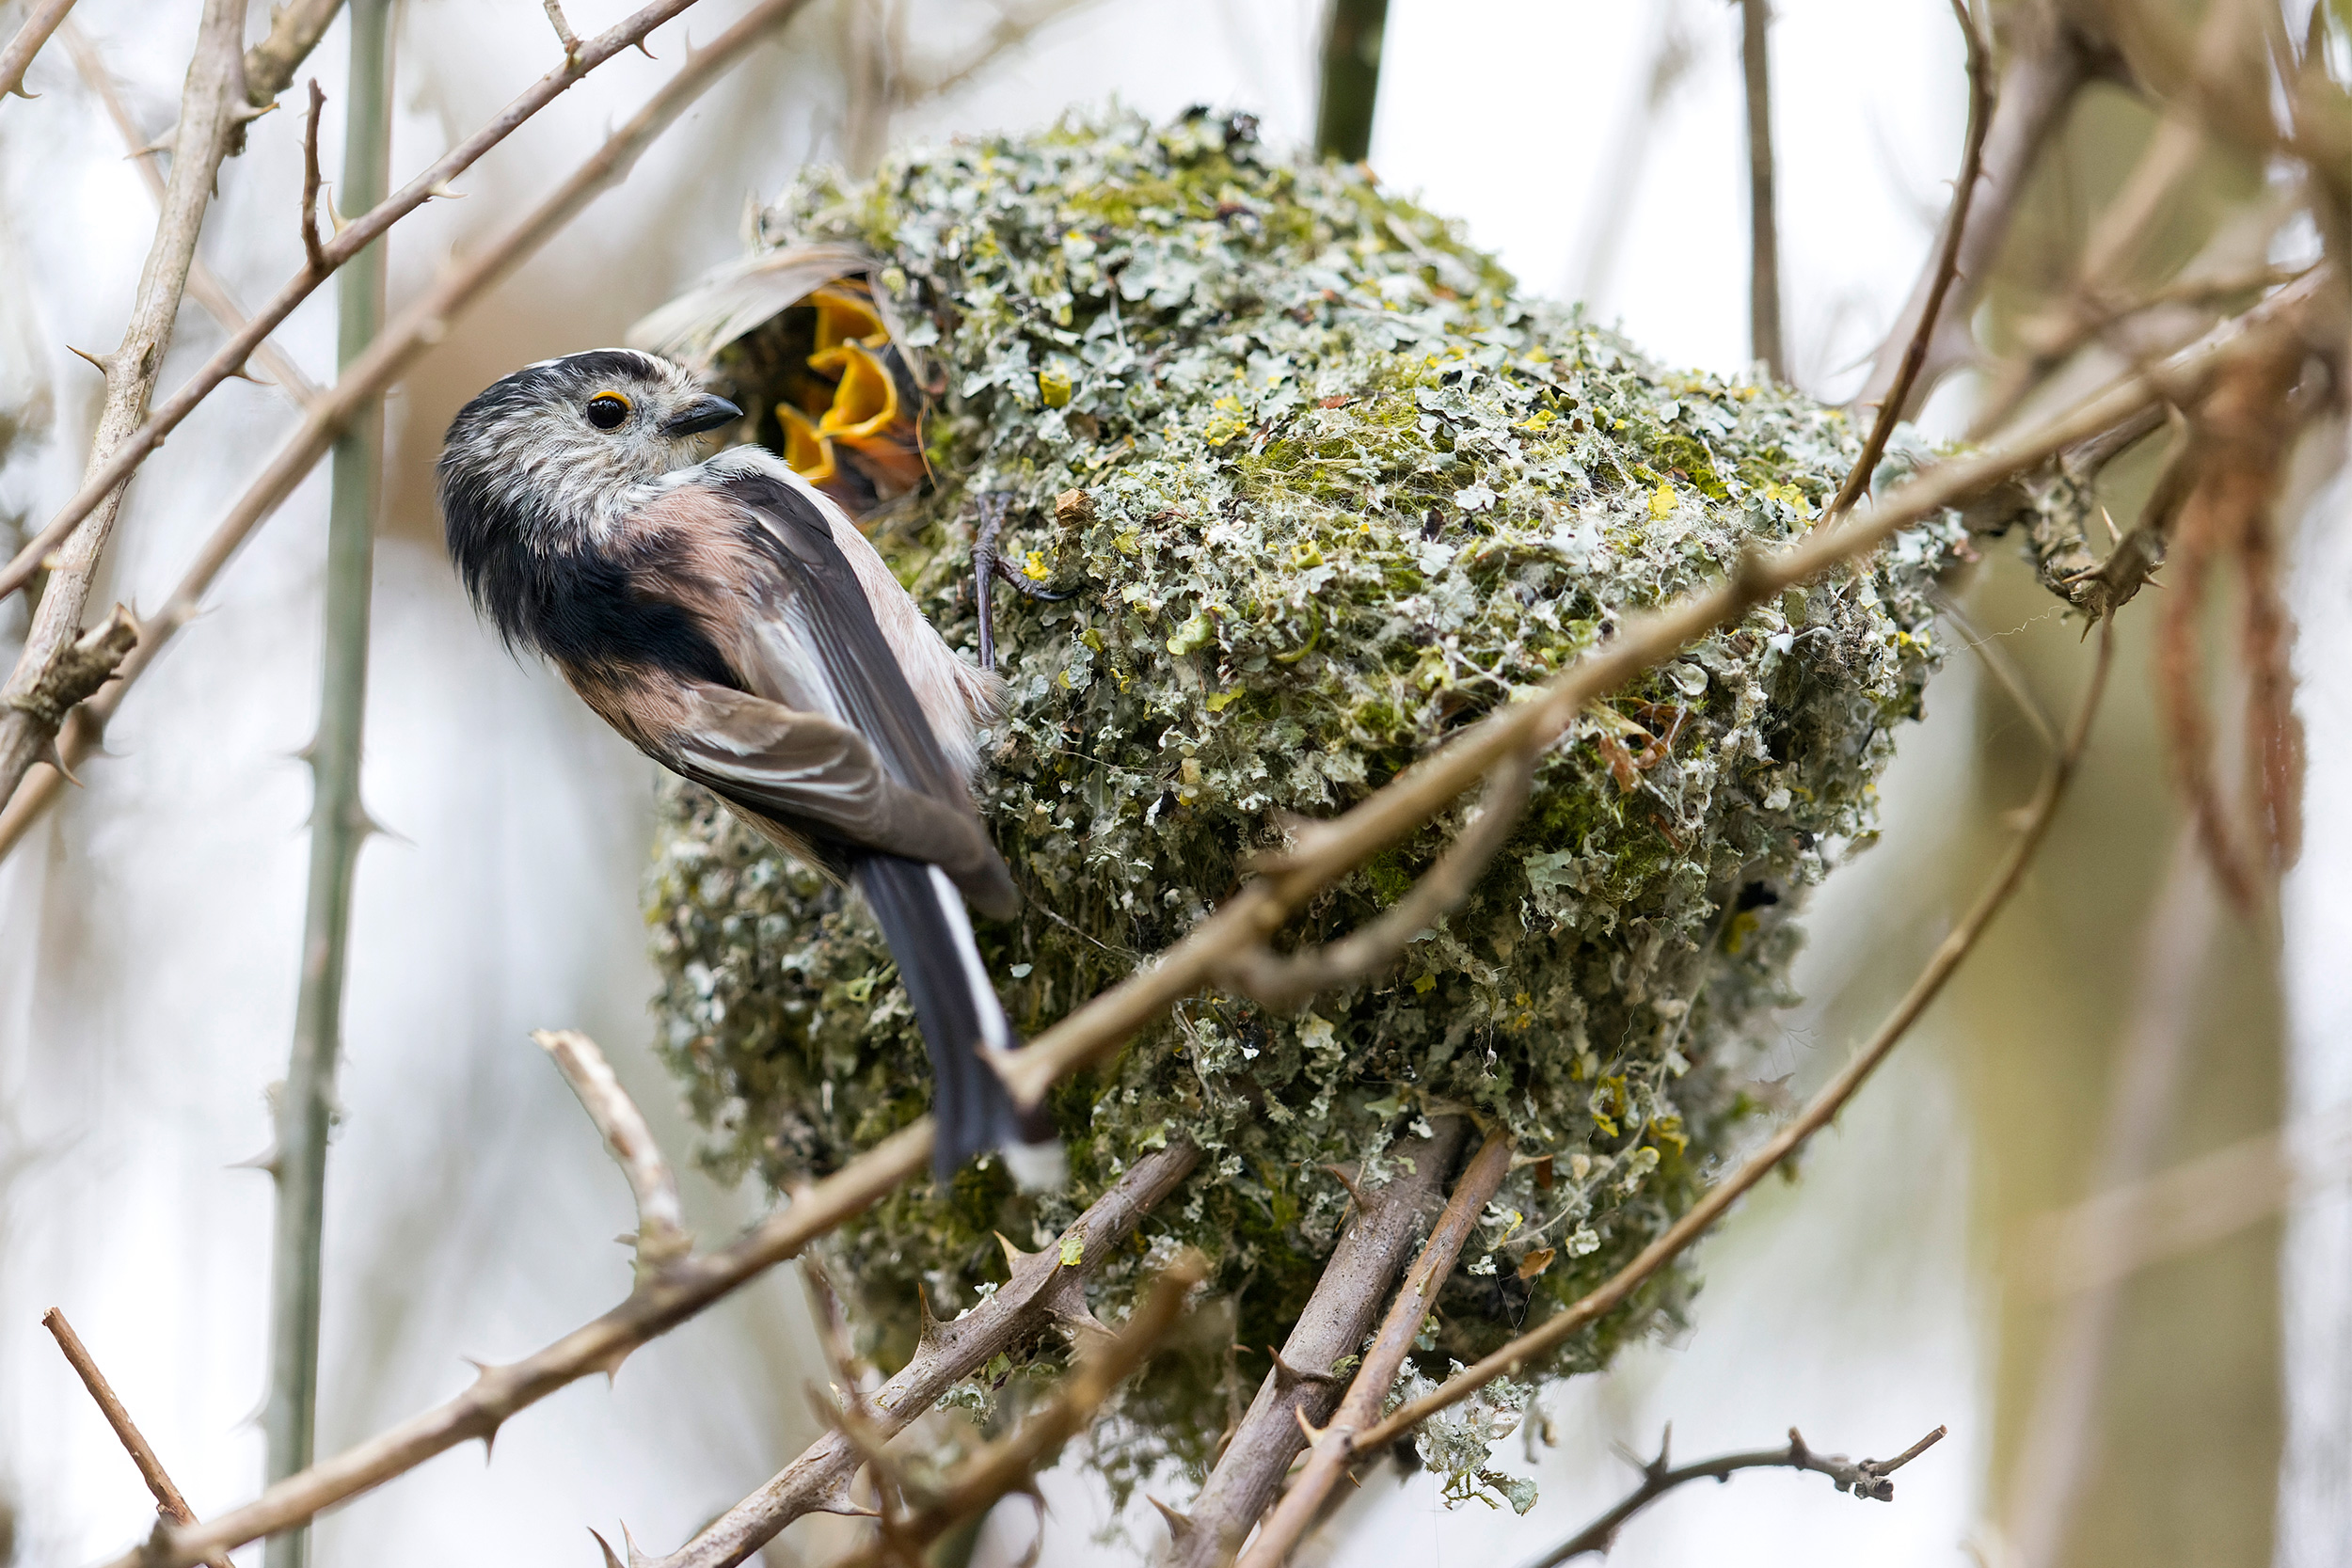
(548, 452)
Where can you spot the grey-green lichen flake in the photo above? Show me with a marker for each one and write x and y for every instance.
(1343, 491)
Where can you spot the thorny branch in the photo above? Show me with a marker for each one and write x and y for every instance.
(1897, 396)
(210, 103)
(1043, 1292)
(563, 34)
(43, 21)
(1325, 851)
(1329, 1452)
(1816, 1116)
(1012, 1465)
(205, 289)
(354, 237)
(312, 249)
(1302, 1387)
(169, 1504)
(661, 1218)
(294, 30)
(1103, 1023)
(424, 323)
(1866, 1479)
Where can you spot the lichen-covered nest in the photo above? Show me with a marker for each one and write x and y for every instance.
(1343, 490)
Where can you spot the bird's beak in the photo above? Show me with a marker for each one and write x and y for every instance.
(703, 413)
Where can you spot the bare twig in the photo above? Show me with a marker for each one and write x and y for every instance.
(1103, 1023)
(46, 15)
(1327, 851)
(424, 323)
(1285, 981)
(2054, 55)
(563, 34)
(1011, 1464)
(2004, 670)
(205, 289)
(2057, 1440)
(1043, 1292)
(1764, 339)
(1865, 1478)
(169, 1502)
(209, 104)
(1350, 78)
(348, 242)
(1329, 1457)
(312, 249)
(1897, 395)
(660, 1219)
(1302, 1389)
(1824, 1107)
(294, 30)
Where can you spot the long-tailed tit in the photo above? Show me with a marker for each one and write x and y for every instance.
(739, 629)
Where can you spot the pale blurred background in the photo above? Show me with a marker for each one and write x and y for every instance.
(2201, 1414)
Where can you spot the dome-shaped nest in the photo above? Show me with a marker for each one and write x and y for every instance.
(1325, 487)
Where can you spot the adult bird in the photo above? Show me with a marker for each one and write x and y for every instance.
(734, 624)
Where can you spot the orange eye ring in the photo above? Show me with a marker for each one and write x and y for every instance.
(607, 410)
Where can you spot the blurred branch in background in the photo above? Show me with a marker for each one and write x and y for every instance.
(306, 1102)
(887, 75)
(294, 30)
(169, 1504)
(354, 237)
(1755, 72)
(1607, 220)
(2046, 1471)
(18, 53)
(1865, 1478)
(1349, 88)
(415, 329)
(203, 286)
(211, 105)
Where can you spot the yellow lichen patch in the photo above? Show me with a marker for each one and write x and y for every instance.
(1053, 388)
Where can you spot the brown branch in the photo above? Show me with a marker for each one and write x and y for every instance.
(294, 30)
(563, 34)
(1863, 1478)
(1284, 982)
(209, 104)
(1361, 1406)
(1764, 336)
(2053, 57)
(46, 15)
(312, 249)
(423, 323)
(1011, 1464)
(1322, 852)
(1043, 1292)
(205, 289)
(1897, 395)
(660, 1219)
(353, 238)
(691, 1285)
(1824, 1107)
(169, 1502)
(1302, 1388)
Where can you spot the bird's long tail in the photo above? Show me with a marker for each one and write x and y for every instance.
(923, 919)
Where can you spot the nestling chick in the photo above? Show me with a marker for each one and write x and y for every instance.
(739, 629)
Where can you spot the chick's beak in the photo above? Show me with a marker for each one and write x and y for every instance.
(699, 414)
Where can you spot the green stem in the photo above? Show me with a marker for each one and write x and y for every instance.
(1351, 79)
(339, 824)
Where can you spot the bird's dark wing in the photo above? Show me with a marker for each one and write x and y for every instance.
(823, 782)
(828, 608)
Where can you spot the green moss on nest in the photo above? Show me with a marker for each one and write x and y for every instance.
(1346, 491)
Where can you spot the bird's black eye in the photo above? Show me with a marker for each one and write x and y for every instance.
(606, 410)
